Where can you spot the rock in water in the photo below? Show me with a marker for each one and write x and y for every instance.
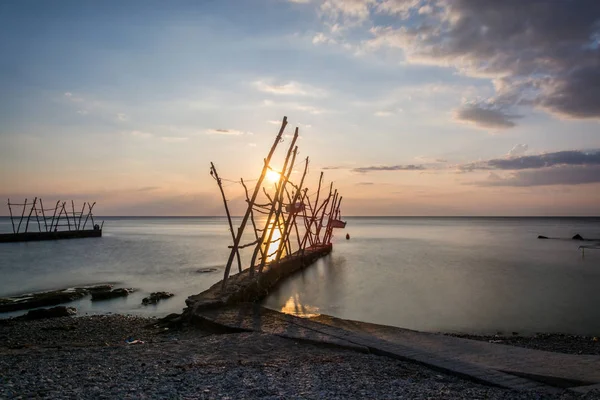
(577, 237)
(54, 312)
(542, 237)
(155, 297)
(105, 295)
(206, 270)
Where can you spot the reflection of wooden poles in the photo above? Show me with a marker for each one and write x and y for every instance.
(11, 216)
(286, 226)
(22, 215)
(240, 231)
(214, 174)
(253, 226)
(277, 199)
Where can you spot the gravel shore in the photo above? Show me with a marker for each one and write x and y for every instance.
(88, 357)
(555, 342)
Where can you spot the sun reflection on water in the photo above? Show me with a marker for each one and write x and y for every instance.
(294, 307)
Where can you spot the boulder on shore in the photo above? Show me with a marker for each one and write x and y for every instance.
(111, 294)
(156, 297)
(54, 312)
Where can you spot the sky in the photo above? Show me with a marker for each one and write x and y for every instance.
(412, 107)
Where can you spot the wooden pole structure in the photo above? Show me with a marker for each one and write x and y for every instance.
(291, 215)
(22, 215)
(259, 245)
(44, 215)
(58, 218)
(37, 217)
(80, 215)
(324, 206)
(214, 174)
(88, 214)
(240, 231)
(66, 214)
(54, 215)
(276, 209)
(330, 217)
(29, 216)
(11, 216)
(74, 218)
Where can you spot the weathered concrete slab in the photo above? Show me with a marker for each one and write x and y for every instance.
(244, 288)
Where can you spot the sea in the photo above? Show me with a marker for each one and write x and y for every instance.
(454, 274)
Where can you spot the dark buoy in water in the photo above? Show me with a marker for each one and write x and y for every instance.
(347, 236)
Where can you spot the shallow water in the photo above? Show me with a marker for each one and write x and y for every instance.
(478, 275)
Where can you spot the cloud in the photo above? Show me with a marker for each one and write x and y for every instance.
(82, 112)
(122, 117)
(485, 117)
(365, 183)
(546, 160)
(140, 134)
(252, 144)
(546, 55)
(174, 139)
(518, 150)
(350, 11)
(289, 89)
(296, 106)
(334, 167)
(409, 167)
(231, 132)
(383, 114)
(148, 188)
(563, 175)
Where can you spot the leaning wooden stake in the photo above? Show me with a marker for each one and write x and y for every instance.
(22, 215)
(80, 216)
(286, 225)
(37, 217)
(11, 216)
(277, 199)
(88, 214)
(52, 227)
(324, 207)
(44, 215)
(214, 174)
(253, 225)
(74, 218)
(240, 231)
(30, 212)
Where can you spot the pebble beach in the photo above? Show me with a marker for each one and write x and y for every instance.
(119, 356)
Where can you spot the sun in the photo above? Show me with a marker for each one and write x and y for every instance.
(273, 176)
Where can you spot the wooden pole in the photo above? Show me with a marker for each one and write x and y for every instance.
(259, 245)
(88, 214)
(80, 215)
(330, 217)
(66, 214)
(11, 216)
(240, 231)
(37, 217)
(213, 172)
(58, 218)
(277, 200)
(22, 215)
(74, 218)
(52, 227)
(324, 206)
(30, 212)
(287, 223)
(44, 215)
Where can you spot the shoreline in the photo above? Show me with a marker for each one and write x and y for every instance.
(88, 357)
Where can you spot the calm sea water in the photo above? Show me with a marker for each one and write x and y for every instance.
(479, 275)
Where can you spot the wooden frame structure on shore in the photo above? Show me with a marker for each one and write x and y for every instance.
(288, 210)
(49, 219)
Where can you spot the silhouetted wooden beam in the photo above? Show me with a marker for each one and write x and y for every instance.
(22, 215)
(252, 200)
(213, 170)
(54, 215)
(11, 217)
(44, 216)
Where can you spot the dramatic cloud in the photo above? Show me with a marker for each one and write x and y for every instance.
(518, 150)
(486, 117)
(409, 167)
(563, 175)
(231, 132)
(540, 53)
